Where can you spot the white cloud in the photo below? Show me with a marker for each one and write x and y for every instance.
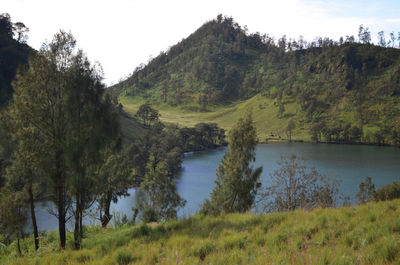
(121, 34)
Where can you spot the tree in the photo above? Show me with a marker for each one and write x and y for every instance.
(7, 145)
(297, 186)
(355, 133)
(157, 197)
(381, 38)
(23, 175)
(60, 96)
(13, 215)
(147, 114)
(364, 35)
(388, 192)
(237, 181)
(6, 26)
(289, 129)
(398, 37)
(39, 103)
(392, 39)
(366, 191)
(115, 175)
(92, 120)
(21, 31)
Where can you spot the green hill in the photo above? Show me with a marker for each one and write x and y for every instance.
(367, 234)
(335, 91)
(13, 53)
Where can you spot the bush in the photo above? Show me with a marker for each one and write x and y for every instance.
(388, 192)
(149, 215)
(207, 208)
(123, 257)
(143, 230)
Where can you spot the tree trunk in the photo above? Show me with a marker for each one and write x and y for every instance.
(77, 240)
(80, 224)
(60, 192)
(18, 245)
(105, 219)
(61, 219)
(33, 216)
(61, 205)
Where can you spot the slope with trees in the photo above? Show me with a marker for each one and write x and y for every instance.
(344, 91)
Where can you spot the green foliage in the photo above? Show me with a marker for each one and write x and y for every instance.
(147, 114)
(236, 180)
(297, 186)
(157, 198)
(149, 215)
(115, 176)
(388, 192)
(366, 191)
(61, 121)
(13, 215)
(203, 136)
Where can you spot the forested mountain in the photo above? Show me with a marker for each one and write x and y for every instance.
(13, 52)
(341, 86)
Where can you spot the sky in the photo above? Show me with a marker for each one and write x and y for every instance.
(122, 34)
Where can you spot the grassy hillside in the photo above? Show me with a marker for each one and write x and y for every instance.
(264, 110)
(367, 234)
(339, 91)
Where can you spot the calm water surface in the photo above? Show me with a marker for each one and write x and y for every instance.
(349, 164)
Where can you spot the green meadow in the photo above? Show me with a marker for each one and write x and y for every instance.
(265, 115)
(366, 234)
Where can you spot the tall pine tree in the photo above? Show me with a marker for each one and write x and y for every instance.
(237, 181)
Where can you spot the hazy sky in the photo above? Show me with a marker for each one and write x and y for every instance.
(121, 34)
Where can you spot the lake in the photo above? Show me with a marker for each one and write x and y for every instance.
(349, 164)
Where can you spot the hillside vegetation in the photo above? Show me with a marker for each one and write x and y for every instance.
(13, 52)
(338, 91)
(366, 234)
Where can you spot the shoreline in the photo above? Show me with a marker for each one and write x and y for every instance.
(279, 141)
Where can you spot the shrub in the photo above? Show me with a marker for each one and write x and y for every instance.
(388, 192)
(149, 215)
(143, 230)
(204, 250)
(123, 257)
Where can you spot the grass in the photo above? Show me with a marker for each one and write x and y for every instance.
(265, 115)
(366, 234)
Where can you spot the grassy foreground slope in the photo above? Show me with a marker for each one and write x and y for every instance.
(265, 116)
(367, 234)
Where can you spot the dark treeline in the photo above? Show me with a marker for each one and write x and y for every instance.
(336, 82)
(13, 52)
